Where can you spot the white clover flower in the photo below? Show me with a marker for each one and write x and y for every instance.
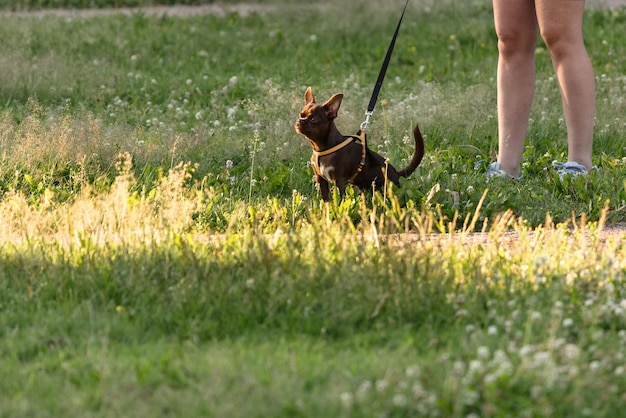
(418, 390)
(189, 82)
(492, 330)
(233, 81)
(475, 366)
(229, 164)
(399, 400)
(568, 322)
(541, 358)
(364, 389)
(470, 397)
(571, 352)
(382, 385)
(483, 352)
(346, 399)
(412, 371)
(458, 367)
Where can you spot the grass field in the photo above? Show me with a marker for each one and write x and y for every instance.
(164, 251)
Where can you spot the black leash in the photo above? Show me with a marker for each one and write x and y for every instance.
(381, 74)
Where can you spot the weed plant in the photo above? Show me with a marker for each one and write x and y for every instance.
(164, 252)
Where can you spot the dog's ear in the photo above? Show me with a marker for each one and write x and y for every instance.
(308, 96)
(332, 105)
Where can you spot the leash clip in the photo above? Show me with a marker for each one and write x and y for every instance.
(366, 122)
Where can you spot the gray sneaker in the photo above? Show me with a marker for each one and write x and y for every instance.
(570, 168)
(494, 170)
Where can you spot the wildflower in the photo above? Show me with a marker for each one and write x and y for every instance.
(418, 390)
(492, 330)
(233, 81)
(382, 385)
(568, 322)
(346, 399)
(483, 352)
(399, 400)
(364, 389)
(413, 371)
(475, 366)
(571, 352)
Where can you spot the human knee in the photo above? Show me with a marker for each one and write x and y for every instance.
(559, 42)
(513, 43)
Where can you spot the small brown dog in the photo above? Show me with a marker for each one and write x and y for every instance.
(340, 159)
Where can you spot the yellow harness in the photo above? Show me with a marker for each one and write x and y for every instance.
(348, 140)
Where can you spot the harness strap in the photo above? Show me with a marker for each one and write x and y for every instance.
(348, 140)
(361, 138)
(334, 149)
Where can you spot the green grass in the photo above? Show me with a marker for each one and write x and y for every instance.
(164, 252)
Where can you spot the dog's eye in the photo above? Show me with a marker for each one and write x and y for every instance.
(312, 119)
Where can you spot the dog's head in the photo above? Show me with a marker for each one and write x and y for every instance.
(315, 120)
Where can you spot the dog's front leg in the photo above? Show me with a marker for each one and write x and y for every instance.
(324, 188)
(341, 186)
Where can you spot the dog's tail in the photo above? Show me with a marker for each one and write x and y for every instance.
(418, 154)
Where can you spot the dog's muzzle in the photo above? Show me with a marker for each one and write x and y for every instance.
(301, 125)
